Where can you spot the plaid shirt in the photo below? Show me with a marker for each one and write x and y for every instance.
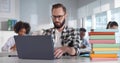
(69, 37)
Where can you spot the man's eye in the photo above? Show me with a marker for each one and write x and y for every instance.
(59, 16)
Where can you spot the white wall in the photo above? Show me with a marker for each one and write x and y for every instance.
(84, 2)
(14, 11)
(12, 14)
(40, 10)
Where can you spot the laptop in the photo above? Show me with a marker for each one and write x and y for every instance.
(35, 47)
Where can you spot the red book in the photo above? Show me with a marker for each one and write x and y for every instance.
(102, 41)
(101, 33)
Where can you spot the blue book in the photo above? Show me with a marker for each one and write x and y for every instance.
(106, 30)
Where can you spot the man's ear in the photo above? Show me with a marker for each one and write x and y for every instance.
(66, 15)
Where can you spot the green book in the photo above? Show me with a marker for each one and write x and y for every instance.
(100, 37)
(9, 23)
(106, 45)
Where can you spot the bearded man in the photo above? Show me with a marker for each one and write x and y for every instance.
(66, 41)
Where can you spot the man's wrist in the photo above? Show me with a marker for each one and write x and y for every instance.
(70, 50)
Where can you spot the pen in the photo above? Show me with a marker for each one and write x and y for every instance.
(12, 55)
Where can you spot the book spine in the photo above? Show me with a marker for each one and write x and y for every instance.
(102, 41)
(106, 52)
(104, 59)
(101, 33)
(106, 30)
(106, 45)
(102, 37)
(103, 56)
(106, 49)
(9, 25)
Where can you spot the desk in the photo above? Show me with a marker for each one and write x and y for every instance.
(66, 59)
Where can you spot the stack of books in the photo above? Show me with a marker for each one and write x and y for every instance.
(104, 46)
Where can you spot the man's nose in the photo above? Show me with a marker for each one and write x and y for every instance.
(57, 19)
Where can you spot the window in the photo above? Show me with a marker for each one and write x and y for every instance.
(72, 23)
(88, 23)
(101, 20)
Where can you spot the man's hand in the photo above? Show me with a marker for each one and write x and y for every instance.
(61, 50)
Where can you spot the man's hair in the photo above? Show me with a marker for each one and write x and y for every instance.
(20, 25)
(59, 5)
(82, 29)
(113, 23)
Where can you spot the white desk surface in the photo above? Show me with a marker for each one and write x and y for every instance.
(5, 59)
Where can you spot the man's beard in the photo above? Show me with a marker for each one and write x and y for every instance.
(59, 26)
